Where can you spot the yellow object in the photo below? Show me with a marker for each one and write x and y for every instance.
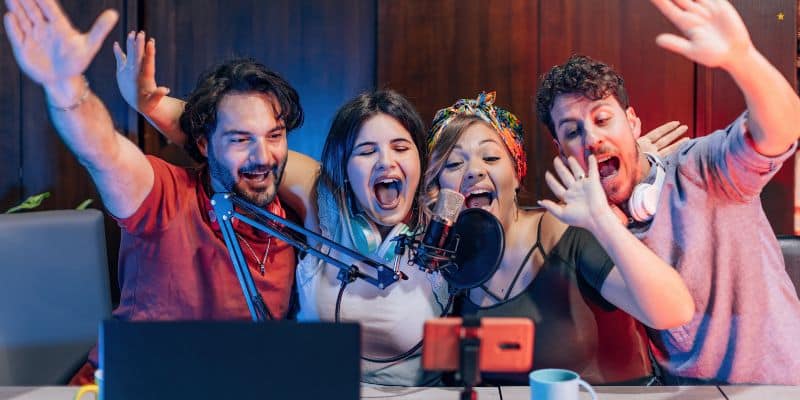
(87, 389)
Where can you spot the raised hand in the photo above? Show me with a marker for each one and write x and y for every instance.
(584, 202)
(136, 73)
(715, 35)
(47, 48)
(663, 140)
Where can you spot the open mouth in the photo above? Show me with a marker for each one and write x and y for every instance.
(254, 177)
(608, 167)
(387, 192)
(479, 199)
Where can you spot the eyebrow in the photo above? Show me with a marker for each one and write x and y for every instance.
(393, 141)
(601, 103)
(235, 132)
(481, 143)
(277, 128)
(566, 120)
(362, 144)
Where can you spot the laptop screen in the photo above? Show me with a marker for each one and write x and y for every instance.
(229, 360)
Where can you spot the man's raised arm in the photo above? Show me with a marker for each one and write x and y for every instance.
(55, 55)
(715, 36)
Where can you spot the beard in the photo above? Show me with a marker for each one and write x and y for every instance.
(260, 197)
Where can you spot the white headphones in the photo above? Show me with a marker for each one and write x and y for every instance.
(644, 198)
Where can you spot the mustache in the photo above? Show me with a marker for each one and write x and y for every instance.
(601, 151)
(259, 169)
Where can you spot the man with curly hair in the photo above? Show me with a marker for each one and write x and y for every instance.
(173, 262)
(699, 208)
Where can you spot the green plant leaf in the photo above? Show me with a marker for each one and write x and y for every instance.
(29, 203)
(84, 204)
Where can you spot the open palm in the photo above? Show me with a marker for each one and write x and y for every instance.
(136, 73)
(715, 35)
(583, 200)
(46, 46)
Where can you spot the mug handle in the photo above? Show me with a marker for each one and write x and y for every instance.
(86, 389)
(588, 388)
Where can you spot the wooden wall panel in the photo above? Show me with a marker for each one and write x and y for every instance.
(720, 101)
(437, 52)
(324, 48)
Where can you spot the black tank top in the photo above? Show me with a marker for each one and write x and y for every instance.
(575, 328)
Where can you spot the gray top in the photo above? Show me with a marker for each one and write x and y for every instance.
(711, 226)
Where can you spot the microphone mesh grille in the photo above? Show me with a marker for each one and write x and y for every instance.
(448, 205)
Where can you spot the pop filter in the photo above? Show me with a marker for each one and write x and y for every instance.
(480, 249)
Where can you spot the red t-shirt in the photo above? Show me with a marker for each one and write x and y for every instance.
(173, 263)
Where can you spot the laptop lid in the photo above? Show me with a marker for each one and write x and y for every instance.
(229, 360)
(54, 291)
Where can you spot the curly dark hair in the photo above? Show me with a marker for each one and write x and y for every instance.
(199, 117)
(579, 75)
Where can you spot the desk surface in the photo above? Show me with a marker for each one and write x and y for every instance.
(489, 393)
(632, 393)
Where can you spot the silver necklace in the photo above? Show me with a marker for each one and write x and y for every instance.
(255, 256)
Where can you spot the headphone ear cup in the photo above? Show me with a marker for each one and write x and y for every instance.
(644, 198)
(364, 234)
(650, 199)
(636, 202)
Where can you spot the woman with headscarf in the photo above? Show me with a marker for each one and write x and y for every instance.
(585, 305)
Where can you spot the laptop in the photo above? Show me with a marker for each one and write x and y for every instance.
(54, 291)
(229, 360)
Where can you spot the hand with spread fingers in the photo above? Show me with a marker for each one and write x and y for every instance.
(136, 73)
(715, 35)
(136, 79)
(46, 45)
(663, 140)
(584, 202)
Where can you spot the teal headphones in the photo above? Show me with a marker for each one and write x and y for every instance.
(367, 238)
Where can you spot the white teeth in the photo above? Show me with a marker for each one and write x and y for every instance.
(388, 180)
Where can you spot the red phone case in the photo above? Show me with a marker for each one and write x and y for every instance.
(506, 344)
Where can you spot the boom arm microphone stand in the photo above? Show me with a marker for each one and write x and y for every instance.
(276, 226)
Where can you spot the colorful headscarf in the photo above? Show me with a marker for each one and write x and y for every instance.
(504, 123)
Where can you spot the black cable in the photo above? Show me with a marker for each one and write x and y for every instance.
(339, 301)
(722, 392)
(410, 351)
(375, 360)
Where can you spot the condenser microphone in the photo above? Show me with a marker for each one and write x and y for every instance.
(445, 213)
